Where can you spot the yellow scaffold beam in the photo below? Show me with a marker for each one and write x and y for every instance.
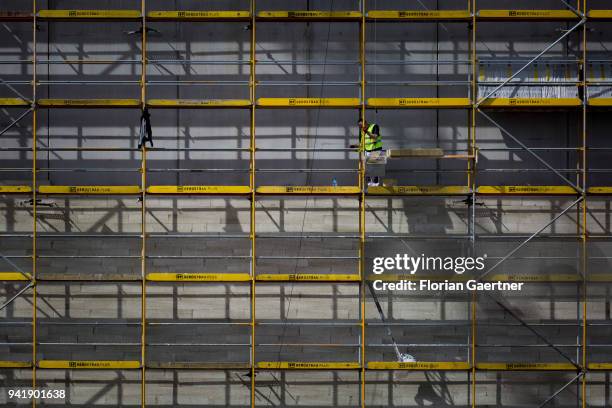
(190, 15)
(308, 277)
(419, 103)
(199, 190)
(10, 15)
(14, 276)
(600, 366)
(600, 102)
(419, 15)
(419, 190)
(307, 365)
(526, 190)
(323, 190)
(89, 14)
(15, 364)
(525, 366)
(11, 102)
(190, 365)
(548, 278)
(389, 277)
(198, 277)
(88, 103)
(528, 15)
(15, 189)
(308, 15)
(600, 14)
(531, 103)
(89, 364)
(603, 190)
(199, 103)
(419, 366)
(89, 190)
(308, 102)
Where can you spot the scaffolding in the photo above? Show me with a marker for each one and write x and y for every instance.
(153, 266)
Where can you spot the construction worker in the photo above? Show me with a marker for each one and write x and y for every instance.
(370, 134)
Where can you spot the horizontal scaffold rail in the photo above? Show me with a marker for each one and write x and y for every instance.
(79, 15)
(309, 102)
(198, 277)
(89, 364)
(530, 15)
(307, 365)
(419, 15)
(419, 190)
(526, 190)
(546, 103)
(15, 189)
(309, 15)
(308, 277)
(85, 190)
(199, 190)
(600, 102)
(199, 103)
(418, 366)
(14, 276)
(418, 103)
(10, 102)
(600, 14)
(191, 15)
(526, 367)
(312, 190)
(89, 103)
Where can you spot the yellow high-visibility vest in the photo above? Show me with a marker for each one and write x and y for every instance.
(370, 143)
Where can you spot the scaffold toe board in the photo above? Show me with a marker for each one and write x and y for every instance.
(9, 102)
(89, 15)
(419, 366)
(300, 15)
(545, 278)
(419, 15)
(308, 277)
(199, 103)
(528, 15)
(600, 14)
(198, 277)
(531, 103)
(600, 366)
(526, 190)
(324, 190)
(307, 365)
(603, 190)
(88, 277)
(418, 190)
(14, 276)
(15, 364)
(85, 190)
(599, 102)
(89, 364)
(419, 103)
(199, 190)
(526, 367)
(195, 365)
(194, 15)
(15, 189)
(10, 15)
(89, 103)
(308, 102)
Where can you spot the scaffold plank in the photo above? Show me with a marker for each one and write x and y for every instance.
(419, 366)
(391, 277)
(600, 366)
(526, 366)
(307, 365)
(10, 102)
(198, 277)
(419, 103)
(528, 15)
(193, 15)
(600, 14)
(546, 278)
(15, 364)
(531, 103)
(329, 190)
(15, 189)
(418, 190)
(199, 189)
(88, 277)
(14, 276)
(600, 102)
(308, 277)
(88, 103)
(305, 15)
(199, 103)
(89, 190)
(603, 190)
(189, 365)
(308, 102)
(10, 15)
(419, 15)
(89, 364)
(89, 14)
(526, 190)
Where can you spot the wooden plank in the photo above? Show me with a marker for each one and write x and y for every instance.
(419, 366)
(419, 15)
(193, 15)
(307, 365)
(199, 103)
(199, 189)
(418, 190)
(198, 277)
(89, 190)
(89, 14)
(89, 364)
(526, 190)
(435, 153)
(308, 277)
(419, 103)
(88, 103)
(325, 190)
(308, 102)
